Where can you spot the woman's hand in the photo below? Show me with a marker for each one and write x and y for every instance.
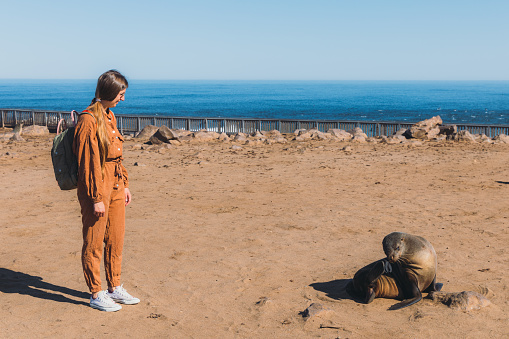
(99, 209)
(128, 196)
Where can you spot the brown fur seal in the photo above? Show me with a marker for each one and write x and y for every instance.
(375, 281)
(409, 269)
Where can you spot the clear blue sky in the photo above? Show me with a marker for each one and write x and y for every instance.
(276, 39)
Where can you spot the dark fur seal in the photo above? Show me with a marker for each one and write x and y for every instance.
(409, 269)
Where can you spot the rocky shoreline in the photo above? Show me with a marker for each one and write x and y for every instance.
(430, 130)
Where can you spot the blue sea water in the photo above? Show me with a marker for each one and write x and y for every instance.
(471, 102)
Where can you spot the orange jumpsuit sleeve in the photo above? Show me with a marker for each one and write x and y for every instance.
(86, 149)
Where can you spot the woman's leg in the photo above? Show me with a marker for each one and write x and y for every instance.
(94, 229)
(114, 237)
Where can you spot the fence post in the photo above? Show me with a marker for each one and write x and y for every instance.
(206, 125)
(3, 119)
(121, 126)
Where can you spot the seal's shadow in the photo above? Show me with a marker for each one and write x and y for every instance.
(26, 284)
(502, 182)
(336, 289)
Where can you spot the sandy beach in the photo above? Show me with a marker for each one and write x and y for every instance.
(237, 243)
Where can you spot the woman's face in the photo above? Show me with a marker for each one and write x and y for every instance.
(120, 97)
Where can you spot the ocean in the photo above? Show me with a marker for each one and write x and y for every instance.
(469, 102)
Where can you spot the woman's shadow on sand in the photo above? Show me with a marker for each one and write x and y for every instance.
(337, 289)
(22, 283)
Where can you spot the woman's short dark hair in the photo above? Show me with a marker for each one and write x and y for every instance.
(109, 84)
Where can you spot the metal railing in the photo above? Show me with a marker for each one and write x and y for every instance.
(132, 124)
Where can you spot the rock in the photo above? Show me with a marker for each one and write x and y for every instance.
(147, 132)
(313, 310)
(175, 142)
(357, 131)
(448, 129)
(502, 138)
(163, 134)
(236, 148)
(298, 131)
(465, 301)
(186, 138)
(272, 134)
(359, 138)
(483, 138)
(257, 135)
(163, 147)
(317, 316)
(253, 142)
(205, 136)
(340, 134)
(303, 135)
(179, 133)
(278, 139)
(35, 130)
(139, 164)
(240, 137)
(433, 133)
(402, 132)
(394, 139)
(224, 137)
(154, 140)
(421, 129)
(317, 135)
(464, 136)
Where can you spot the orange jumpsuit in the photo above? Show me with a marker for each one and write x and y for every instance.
(109, 230)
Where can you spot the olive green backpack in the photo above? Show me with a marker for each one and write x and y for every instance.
(65, 164)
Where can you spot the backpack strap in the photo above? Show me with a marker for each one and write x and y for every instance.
(87, 112)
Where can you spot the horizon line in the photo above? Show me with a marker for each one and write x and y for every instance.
(270, 80)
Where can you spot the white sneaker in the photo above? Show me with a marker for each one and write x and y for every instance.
(121, 296)
(104, 303)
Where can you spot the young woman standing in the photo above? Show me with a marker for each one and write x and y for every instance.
(103, 192)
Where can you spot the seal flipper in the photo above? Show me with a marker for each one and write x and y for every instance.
(376, 271)
(374, 274)
(413, 291)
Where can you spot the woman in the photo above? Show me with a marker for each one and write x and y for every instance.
(103, 192)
